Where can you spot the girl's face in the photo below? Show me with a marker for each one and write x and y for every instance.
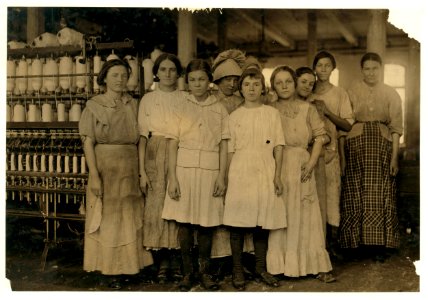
(371, 72)
(116, 79)
(323, 68)
(167, 73)
(283, 85)
(228, 85)
(251, 89)
(305, 84)
(198, 84)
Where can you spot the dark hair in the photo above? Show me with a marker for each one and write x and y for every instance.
(370, 56)
(324, 54)
(306, 70)
(285, 69)
(252, 73)
(161, 58)
(199, 65)
(106, 67)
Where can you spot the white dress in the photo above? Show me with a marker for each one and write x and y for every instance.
(250, 199)
(199, 127)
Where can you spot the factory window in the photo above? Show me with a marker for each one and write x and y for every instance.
(395, 76)
(334, 77)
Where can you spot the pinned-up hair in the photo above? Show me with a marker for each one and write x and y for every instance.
(324, 54)
(304, 70)
(199, 65)
(370, 56)
(107, 66)
(166, 56)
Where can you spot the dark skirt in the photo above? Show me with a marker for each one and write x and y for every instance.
(368, 206)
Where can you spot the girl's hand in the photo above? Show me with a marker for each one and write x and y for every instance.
(96, 185)
(393, 167)
(278, 186)
(306, 172)
(219, 187)
(174, 189)
(145, 184)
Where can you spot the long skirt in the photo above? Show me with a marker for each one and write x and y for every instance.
(113, 226)
(327, 175)
(299, 249)
(368, 208)
(158, 233)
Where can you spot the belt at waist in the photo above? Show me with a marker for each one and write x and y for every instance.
(195, 158)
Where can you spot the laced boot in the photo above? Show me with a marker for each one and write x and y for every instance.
(207, 282)
(238, 279)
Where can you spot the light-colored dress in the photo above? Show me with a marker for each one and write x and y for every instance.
(221, 236)
(369, 208)
(299, 249)
(250, 199)
(113, 243)
(327, 170)
(154, 117)
(199, 127)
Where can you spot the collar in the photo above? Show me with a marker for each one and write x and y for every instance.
(107, 101)
(211, 99)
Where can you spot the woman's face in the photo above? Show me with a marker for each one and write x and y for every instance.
(305, 84)
(228, 85)
(198, 83)
(167, 73)
(251, 89)
(283, 84)
(371, 72)
(323, 69)
(116, 79)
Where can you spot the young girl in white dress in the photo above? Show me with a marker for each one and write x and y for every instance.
(196, 170)
(253, 202)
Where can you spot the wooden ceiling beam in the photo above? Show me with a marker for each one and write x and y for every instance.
(272, 33)
(344, 29)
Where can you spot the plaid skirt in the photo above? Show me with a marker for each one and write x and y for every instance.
(368, 206)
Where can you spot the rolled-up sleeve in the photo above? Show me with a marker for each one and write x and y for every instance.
(143, 122)
(86, 125)
(317, 125)
(346, 112)
(395, 112)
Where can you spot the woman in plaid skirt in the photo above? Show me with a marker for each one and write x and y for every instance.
(368, 208)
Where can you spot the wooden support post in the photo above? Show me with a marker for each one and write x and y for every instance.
(221, 30)
(376, 35)
(186, 37)
(312, 36)
(35, 22)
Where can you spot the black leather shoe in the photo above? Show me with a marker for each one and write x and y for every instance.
(268, 278)
(115, 284)
(238, 281)
(186, 283)
(207, 282)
